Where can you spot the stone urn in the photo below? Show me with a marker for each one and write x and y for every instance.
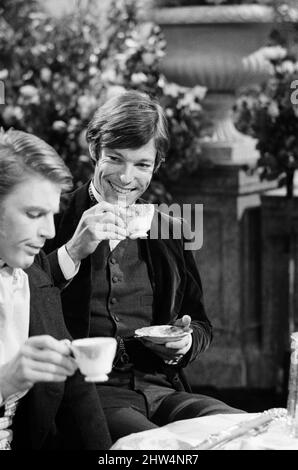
(221, 48)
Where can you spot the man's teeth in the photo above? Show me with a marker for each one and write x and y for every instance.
(120, 190)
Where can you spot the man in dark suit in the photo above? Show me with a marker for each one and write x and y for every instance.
(125, 282)
(44, 401)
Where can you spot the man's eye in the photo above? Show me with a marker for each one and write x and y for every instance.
(33, 215)
(145, 165)
(113, 158)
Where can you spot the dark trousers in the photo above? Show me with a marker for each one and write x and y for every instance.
(132, 416)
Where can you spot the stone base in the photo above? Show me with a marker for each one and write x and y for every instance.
(230, 266)
(242, 152)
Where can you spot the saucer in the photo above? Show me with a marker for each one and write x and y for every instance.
(161, 334)
(96, 378)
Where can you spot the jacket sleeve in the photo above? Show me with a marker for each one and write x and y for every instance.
(81, 419)
(193, 305)
(57, 274)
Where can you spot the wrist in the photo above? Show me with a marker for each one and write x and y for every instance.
(72, 253)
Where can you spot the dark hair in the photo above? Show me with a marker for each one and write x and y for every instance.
(128, 121)
(22, 154)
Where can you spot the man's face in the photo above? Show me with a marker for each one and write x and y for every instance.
(124, 174)
(26, 220)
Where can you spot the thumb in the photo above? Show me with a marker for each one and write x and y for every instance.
(184, 321)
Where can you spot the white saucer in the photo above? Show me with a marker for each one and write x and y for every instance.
(96, 378)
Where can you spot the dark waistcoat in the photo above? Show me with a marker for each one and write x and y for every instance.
(122, 296)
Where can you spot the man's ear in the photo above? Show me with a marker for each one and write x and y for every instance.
(92, 153)
(157, 165)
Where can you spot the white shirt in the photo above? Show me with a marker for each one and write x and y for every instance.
(14, 314)
(15, 307)
(14, 311)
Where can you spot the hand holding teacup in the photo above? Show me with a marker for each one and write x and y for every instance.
(138, 220)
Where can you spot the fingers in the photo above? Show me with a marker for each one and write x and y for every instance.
(180, 344)
(46, 352)
(104, 231)
(185, 321)
(65, 365)
(48, 342)
(172, 349)
(48, 369)
(35, 376)
(106, 207)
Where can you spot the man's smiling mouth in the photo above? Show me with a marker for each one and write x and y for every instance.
(120, 190)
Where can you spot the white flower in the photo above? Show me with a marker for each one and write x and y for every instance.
(93, 70)
(3, 74)
(131, 43)
(84, 158)
(138, 78)
(109, 75)
(72, 124)
(273, 110)
(28, 91)
(30, 94)
(287, 67)
(12, 112)
(86, 104)
(199, 91)
(59, 126)
(169, 112)
(273, 52)
(148, 58)
(93, 58)
(45, 74)
(172, 89)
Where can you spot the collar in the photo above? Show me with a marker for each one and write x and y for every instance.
(94, 194)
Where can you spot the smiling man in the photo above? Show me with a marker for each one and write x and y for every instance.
(44, 401)
(125, 282)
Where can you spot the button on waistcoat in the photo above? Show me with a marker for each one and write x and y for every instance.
(122, 295)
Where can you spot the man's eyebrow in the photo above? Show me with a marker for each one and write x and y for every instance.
(119, 154)
(114, 151)
(40, 209)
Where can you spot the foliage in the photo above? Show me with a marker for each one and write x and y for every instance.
(57, 71)
(133, 62)
(270, 114)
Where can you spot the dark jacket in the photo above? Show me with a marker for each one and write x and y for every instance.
(176, 282)
(56, 415)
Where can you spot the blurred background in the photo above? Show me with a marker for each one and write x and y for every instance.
(226, 73)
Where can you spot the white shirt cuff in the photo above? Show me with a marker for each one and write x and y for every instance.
(67, 266)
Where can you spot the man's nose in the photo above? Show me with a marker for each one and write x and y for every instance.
(47, 229)
(126, 175)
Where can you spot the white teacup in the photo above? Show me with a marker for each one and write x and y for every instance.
(94, 357)
(138, 220)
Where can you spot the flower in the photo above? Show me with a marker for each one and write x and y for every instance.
(67, 67)
(271, 116)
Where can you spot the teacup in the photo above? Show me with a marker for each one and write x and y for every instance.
(138, 220)
(94, 357)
